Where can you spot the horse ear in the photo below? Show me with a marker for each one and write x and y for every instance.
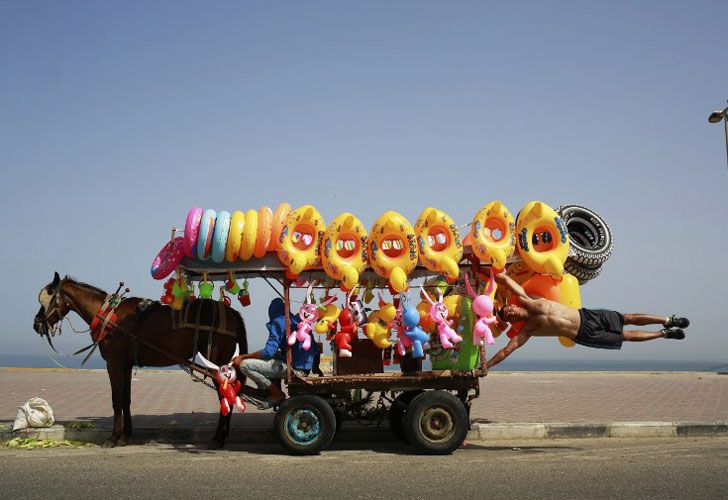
(56, 280)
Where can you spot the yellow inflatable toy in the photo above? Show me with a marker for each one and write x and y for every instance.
(235, 236)
(439, 243)
(570, 296)
(300, 239)
(392, 249)
(542, 239)
(493, 234)
(250, 234)
(379, 324)
(327, 319)
(344, 254)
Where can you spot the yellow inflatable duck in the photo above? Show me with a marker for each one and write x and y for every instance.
(327, 318)
(493, 234)
(344, 250)
(300, 239)
(392, 249)
(439, 243)
(379, 325)
(542, 239)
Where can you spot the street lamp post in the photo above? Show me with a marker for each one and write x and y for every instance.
(721, 116)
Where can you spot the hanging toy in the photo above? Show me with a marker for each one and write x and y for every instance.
(347, 331)
(403, 341)
(417, 336)
(439, 312)
(206, 287)
(168, 298)
(244, 294)
(380, 322)
(228, 384)
(180, 292)
(483, 307)
(231, 286)
(309, 314)
(368, 292)
(224, 298)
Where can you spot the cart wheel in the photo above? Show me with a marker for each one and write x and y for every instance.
(397, 411)
(305, 424)
(436, 423)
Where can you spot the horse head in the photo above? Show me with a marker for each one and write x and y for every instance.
(53, 307)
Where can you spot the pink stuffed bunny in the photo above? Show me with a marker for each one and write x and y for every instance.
(483, 307)
(309, 314)
(438, 312)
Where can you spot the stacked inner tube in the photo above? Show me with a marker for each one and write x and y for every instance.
(591, 241)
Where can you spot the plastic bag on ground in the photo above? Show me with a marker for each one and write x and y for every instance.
(35, 412)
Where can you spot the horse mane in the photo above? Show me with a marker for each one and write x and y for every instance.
(81, 283)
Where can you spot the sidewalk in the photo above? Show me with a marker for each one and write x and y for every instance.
(169, 399)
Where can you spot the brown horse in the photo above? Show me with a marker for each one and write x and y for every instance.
(152, 327)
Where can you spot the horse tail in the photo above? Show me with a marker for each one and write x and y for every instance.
(242, 337)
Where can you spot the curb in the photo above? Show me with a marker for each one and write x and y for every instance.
(479, 432)
(495, 431)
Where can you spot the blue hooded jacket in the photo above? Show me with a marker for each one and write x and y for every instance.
(275, 346)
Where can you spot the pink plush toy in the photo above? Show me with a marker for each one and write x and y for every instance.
(438, 313)
(309, 314)
(403, 341)
(483, 307)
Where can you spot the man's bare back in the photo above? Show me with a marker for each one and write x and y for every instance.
(550, 319)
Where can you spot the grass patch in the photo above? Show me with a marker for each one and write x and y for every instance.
(35, 443)
(81, 425)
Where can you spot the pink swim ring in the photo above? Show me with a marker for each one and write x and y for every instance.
(192, 228)
(168, 259)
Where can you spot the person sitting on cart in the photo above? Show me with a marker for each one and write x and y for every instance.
(270, 362)
(598, 328)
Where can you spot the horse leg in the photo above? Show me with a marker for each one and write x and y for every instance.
(127, 406)
(116, 377)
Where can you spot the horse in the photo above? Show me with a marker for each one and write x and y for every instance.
(156, 342)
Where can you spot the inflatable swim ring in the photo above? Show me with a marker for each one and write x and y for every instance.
(279, 220)
(438, 241)
(250, 233)
(300, 239)
(192, 228)
(265, 219)
(235, 236)
(168, 258)
(570, 296)
(542, 239)
(344, 253)
(204, 238)
(220, 236)
(392, 249)
(493, 234)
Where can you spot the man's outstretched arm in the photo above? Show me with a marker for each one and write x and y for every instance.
(514, 344)
(507, 281)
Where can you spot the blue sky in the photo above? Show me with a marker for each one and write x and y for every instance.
(116, 118)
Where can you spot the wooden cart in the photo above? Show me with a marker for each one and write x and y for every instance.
(428, 409)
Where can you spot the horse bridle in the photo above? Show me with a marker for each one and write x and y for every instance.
(54, 307)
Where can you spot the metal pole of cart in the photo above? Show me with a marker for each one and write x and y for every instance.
(287, 309)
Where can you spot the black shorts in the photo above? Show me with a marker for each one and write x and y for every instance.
(600, 328)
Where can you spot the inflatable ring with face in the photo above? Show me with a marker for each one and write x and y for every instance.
(300, 240)
(344, 250)
(438, 242)
(392, 249)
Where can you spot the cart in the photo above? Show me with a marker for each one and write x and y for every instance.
(428, 409)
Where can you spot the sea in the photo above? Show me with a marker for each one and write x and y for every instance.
(511, 364)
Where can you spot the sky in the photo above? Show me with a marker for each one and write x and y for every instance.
(117, 117)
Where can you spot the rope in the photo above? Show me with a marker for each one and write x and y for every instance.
(72, 328)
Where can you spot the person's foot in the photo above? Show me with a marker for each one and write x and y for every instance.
(675, 321)
(674, 333)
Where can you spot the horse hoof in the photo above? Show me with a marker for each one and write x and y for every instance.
(109, 443)
(123, 441)
(215, 444)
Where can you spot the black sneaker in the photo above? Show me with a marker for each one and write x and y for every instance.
(674, 333)
(674, 321)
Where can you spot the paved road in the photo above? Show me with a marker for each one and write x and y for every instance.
(162, 398)
(585, 468)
